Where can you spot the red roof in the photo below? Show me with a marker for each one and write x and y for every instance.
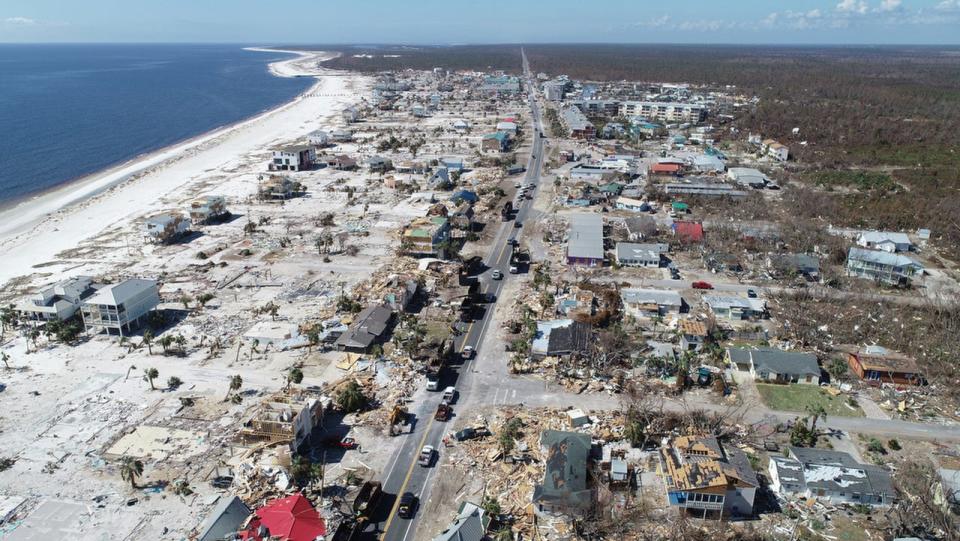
(292, 518)
(665, 168)
(689, 231)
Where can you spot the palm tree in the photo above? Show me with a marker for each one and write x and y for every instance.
(181, 342)
(130, 470)
(165, 341)
(235, 383)
(33, 334)
(151, 374)
(817, 413)
(294, 375)
(148, 339)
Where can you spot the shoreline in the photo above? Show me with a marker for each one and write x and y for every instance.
(35, 230)
(43, 204)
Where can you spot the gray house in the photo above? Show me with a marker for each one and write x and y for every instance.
(884, 267)
(776, 365)
(367, 329)
(120, 307)
(831, 475)
(651, 302)
(225, 520)
(641, 255)
(59, 301)
(470, 525)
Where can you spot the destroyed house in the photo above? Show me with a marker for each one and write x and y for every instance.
(470, 525)
(290, 415)
(379, 164)
(832, 476)
(776, 365)
(59, 301)
(804, 265)
(707, 480)
(877, 364)
(206, 208)
(368, 328)
(495, 142)
(275, 187)
(688, 232)
(693, 334)
(737, 308)
(225, 520)
(120, 306)
(560, 338)
(640, 227)
(341, 162)
(564, 490)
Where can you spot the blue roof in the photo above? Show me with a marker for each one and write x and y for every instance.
(466, 195)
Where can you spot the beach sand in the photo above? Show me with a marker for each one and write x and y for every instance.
(33, 232)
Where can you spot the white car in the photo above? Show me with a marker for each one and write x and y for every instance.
(426, 456)
(496, 275)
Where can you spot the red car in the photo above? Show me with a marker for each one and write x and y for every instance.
(702, 285)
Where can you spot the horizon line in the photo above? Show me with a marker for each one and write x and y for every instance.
(360, 44)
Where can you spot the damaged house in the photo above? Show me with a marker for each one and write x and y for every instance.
(564, 490)
(288, 415)
(59, 301)
(829, 475)
(560, 338)
(706, 479)
(368, 328)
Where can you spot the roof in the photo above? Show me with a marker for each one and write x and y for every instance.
(838, 471)
(565, 472)
(666, 168)
(369, 324)
(692, 231)
(701, 463)
(225, 519)
(466, 195)
(725, 303)
(879, 237)
(116, 294)
(574, 118)
(747, 175)
(879, 257)
(506, 125)
(778, 361)
(651, 296)
(882, 359)
(691, 327)
(292, 518)
(629, 250)
(586, 236)
(470, 525)
(560, 337)
(798, 262)
(499, 136)
(644, 225)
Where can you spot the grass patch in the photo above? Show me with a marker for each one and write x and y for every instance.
(861, 180)
(798, 396)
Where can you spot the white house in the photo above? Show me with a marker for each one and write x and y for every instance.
(165, 226)
(506, 126)
(350, 114)
(634, 205)
(887, 241)
(735, 307)
(319, 138)
(775, 150)
(833, 476)
(294, 158)
(747, 176)
(651, 302)
(59, 301)
(120, 306)
(641, 255)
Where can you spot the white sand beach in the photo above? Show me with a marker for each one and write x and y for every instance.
(35, 231)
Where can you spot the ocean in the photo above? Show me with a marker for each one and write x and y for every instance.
(70, 110)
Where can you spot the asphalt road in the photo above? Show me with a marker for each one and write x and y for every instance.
(403, 473)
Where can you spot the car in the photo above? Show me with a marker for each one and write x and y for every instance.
(496, 275)
(675, 274)
(516, 184)
(408, 505)
(517, 225)
(514, 269)
(426, 456)
(701, 285)
(465, 434)
(449, 394)
(752, 293)
(433, 382)
(467, 352)
(512, 242)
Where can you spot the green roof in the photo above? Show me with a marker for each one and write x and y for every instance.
(499, 136)
(615, 187)
(680, 206)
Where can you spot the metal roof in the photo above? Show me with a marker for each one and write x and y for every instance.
(585, 238)
(881, 258)
(660, 297)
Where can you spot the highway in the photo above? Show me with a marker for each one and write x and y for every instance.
(403, 473)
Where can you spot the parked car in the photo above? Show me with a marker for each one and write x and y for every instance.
(517, 225)
(701, 285)
(514, 269)
(426, 456)
(408, 505)
(751, 293)
(471, 433)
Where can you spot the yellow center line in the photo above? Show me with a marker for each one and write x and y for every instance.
(413, 463)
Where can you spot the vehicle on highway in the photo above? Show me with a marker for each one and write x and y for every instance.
(426, 456)
(467, 352)
(752, 293)
(701, 285)
(516, 184)
(449, 394)
(443, 413)
(496, 275)
(433, 382)
(517, 225)
(512, 242)
(408, 505)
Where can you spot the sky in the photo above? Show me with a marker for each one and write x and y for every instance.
(277, 22)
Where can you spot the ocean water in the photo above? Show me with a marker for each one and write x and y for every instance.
(70, 110)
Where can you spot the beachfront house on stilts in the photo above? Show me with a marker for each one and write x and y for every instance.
(120, 307)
